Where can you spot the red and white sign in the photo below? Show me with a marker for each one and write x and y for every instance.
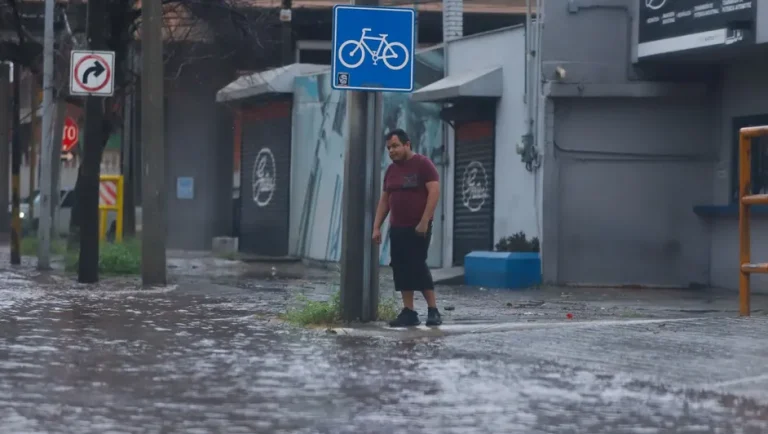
(71, 135)
(108, 193)
(92, 73)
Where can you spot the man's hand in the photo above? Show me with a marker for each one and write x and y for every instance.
(422, 227)
(377, 236)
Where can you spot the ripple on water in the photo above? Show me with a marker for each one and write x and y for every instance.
(170, 362)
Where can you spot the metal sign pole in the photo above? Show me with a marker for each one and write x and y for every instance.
(357, 271)
(364, 73)
(356, 247)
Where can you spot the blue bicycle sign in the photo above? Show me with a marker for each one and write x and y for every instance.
(373, 48)
(354, 51)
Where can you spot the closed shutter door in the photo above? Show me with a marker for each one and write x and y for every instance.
(265, 180)
(473, 189)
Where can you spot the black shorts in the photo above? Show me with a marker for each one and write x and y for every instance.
(408, 253)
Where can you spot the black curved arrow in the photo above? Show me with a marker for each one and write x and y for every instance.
(97, 69)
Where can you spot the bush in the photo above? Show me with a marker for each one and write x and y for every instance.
(328, 312)
(29, 246)
(518, 243)
(114, 258)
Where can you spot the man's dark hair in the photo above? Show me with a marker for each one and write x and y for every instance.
(401, 135)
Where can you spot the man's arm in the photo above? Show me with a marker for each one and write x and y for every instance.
(433, 196)
(432, 183)
(382, 210)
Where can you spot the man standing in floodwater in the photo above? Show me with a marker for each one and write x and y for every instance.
(410, 195)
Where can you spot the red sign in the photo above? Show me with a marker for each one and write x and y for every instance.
(71, 135)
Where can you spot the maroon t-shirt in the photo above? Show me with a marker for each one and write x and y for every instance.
(406, 183)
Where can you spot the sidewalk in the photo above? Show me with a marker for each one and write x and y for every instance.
(278, 283)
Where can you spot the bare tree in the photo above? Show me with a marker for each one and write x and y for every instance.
(195, 31)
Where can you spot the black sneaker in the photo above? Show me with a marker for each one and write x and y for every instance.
(433, 317)
(407, 318)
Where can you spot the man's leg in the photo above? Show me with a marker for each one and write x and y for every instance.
(428, 286)
(407, 299)
(399, 249)
(429, 295)
(408, 317)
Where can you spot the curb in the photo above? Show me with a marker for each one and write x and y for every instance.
(462, 329)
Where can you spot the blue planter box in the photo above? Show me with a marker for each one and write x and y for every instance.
(508, 270)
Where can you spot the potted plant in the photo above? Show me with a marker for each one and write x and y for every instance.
(518, 243)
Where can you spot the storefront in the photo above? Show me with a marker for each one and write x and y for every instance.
(639, 138)
(488, 191)
(262, 129)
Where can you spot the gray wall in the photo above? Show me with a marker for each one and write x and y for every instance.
(200, 145)
(630, 172)
(515, 204)
(591, 39)
(762, 21)
(623, 169)
(591, 44)
(744, 92)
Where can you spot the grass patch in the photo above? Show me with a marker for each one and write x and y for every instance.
(231, 256)
(29, 246)
(311, 312)
(389, 308)
(114, 258)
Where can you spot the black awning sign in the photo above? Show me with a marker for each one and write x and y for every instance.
(667, 26)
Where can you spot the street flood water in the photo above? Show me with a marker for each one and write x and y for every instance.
(170, 361)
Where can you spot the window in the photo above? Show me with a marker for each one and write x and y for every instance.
(318, 52)
(319, 57)
(759, 157)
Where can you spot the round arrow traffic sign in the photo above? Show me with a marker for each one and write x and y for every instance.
(92, 73)
(70, 136)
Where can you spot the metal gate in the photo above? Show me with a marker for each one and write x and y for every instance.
(265, 177)
(473, 189)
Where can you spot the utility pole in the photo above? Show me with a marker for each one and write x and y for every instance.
(359, 255)
(16, 168)
(46, 145)
(88, 267)
(126, 154)
(286, 16)
(5, 150)
(58, 135)
(154, 212)
(34, 104)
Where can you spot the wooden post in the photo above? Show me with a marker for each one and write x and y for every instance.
(154, 212)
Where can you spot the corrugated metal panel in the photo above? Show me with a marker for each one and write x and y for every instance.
(473, 191)
(265, 179)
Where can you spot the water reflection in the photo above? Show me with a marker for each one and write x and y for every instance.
(185, 362)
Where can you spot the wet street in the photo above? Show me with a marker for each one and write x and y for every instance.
(192, 359)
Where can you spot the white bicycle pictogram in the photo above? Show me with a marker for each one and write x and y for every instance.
(386, 51)
(655, 4)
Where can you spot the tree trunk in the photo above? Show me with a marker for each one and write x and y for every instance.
(127, 154)
(88, 194)
(73, 239)
(96, 134)
(73, 235)
(129, 205)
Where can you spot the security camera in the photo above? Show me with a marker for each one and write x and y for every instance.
(560, 72)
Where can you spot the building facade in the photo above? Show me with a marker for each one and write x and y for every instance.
(642, 102)
(489, 193)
